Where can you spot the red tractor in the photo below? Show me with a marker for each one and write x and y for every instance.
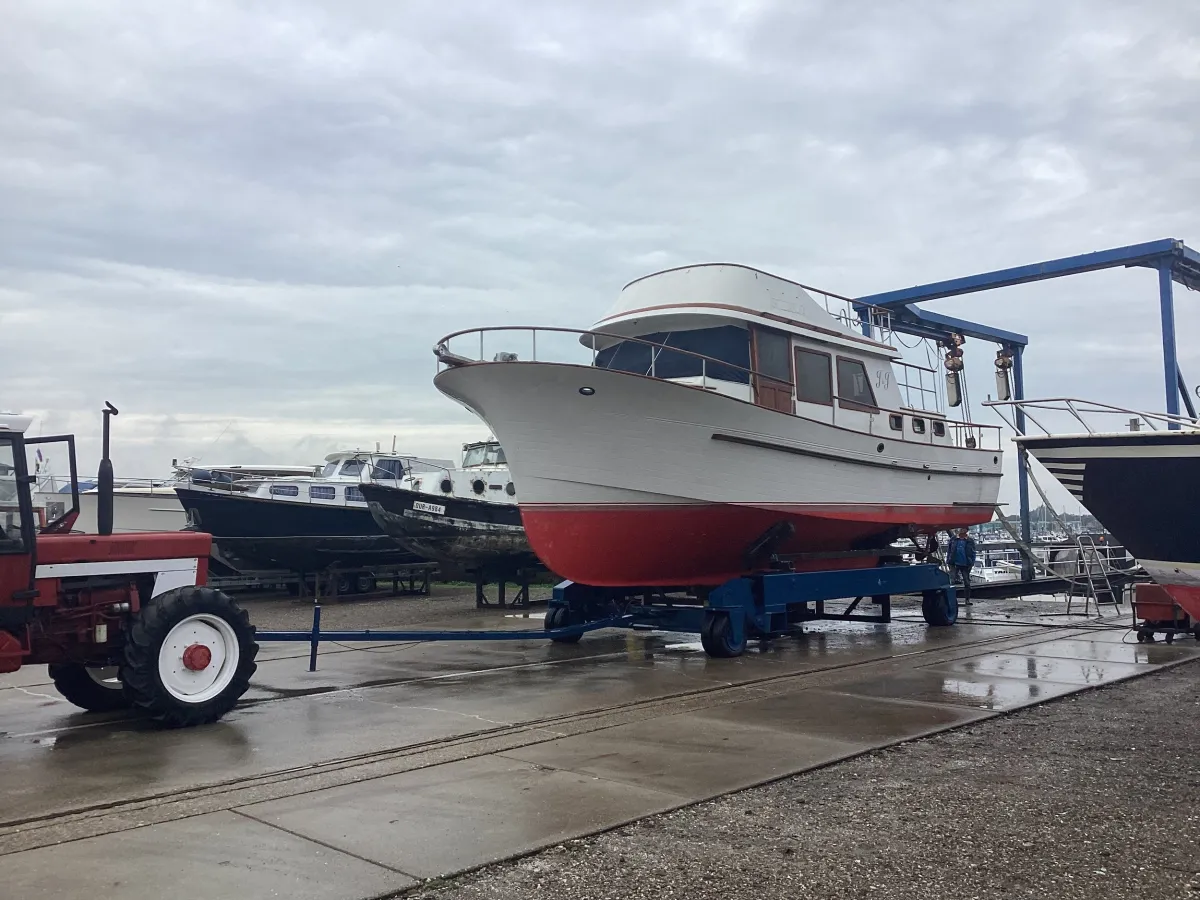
(124, 620)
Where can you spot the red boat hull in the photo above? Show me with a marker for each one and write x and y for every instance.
(705, 544)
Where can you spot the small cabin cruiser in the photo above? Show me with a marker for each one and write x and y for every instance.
(466, 516)
(304, 523)
(717, 410)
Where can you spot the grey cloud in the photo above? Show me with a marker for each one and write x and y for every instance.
(268, 212)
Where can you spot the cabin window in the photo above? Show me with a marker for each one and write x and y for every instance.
(939, 429)
(814, 381)
(771, 355)
(726, 344)
(388, 469)
(330, 468)
(353, 493)
(918, 425)
(352, 467)
(285, 490)
(322, 492)
(854, 388)
(896, 422)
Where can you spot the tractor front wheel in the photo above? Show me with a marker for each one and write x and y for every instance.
(189, 656)
(94, 688)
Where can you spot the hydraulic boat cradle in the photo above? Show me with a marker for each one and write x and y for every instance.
(755, 607)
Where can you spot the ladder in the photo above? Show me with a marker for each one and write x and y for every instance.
(1093, 567)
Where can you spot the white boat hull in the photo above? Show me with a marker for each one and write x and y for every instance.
(642, 481)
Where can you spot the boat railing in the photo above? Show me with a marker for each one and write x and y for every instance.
(1077, 410)
(472, 347)
(918, 386)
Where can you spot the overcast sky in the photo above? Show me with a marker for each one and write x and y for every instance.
(247, 224)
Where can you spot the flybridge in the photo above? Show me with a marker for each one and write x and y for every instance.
(13, 423)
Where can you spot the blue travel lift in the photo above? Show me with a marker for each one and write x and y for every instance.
(772, 604)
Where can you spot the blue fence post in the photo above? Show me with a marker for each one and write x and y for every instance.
(315, 639)
(1166, 302)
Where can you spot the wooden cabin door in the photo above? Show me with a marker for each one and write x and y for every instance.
(772, 364)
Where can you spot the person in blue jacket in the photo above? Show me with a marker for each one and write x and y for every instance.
(960, 553)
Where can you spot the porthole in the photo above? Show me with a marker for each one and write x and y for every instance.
(447, 485)
(995, 459)
(478, 486)
(510, 489)
(879, 448)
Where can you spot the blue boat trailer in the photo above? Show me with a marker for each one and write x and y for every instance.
(754, 607)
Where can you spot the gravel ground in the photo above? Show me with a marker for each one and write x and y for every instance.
(1094, 796)
(446, 602)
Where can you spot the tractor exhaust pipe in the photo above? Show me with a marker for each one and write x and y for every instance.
(104, 480)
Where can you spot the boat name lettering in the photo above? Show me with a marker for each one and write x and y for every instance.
(422, 506)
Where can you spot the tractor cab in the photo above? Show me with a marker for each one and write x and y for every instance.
(16, 510)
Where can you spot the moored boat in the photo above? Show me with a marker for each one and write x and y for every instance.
(718, 409)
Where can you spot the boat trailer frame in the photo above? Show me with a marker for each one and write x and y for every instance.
(761, 607)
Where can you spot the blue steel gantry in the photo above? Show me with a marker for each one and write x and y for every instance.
(1171, 258)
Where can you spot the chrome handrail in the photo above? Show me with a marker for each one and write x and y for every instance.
(1077, 408)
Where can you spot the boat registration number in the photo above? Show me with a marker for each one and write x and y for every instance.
(422, 506)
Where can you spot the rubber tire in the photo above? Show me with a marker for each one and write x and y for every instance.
(73, 682)
(716, 637)
(364, 584)
(144, 640)
(937, 610)
(561, 617)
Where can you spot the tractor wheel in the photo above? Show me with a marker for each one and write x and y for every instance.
(189, 655)
(96, 689)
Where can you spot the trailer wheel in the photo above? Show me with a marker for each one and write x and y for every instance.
(189, 656)
(561, 617)
(940, 608)
(716, 637)
(94, 688)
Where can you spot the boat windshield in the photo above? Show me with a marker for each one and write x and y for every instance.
(330, 468)
(352, 466)
(727, 343)
(484, 455)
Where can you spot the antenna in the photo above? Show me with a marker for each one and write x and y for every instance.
(393, 443)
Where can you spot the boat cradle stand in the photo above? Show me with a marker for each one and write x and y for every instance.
(760, 607)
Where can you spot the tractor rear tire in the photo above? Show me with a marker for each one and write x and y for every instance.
(86, 688)
(189, 655)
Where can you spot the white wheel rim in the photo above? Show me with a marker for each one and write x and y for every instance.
(198, 685)
(106, 676)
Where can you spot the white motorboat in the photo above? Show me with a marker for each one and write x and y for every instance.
(715, 411)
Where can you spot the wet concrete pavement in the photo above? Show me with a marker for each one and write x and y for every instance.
(403, 762)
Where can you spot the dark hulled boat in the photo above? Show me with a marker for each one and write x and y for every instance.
(467, 517)
(1143, 486)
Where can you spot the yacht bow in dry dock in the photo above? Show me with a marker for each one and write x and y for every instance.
(1142, 485)
(713, 405)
